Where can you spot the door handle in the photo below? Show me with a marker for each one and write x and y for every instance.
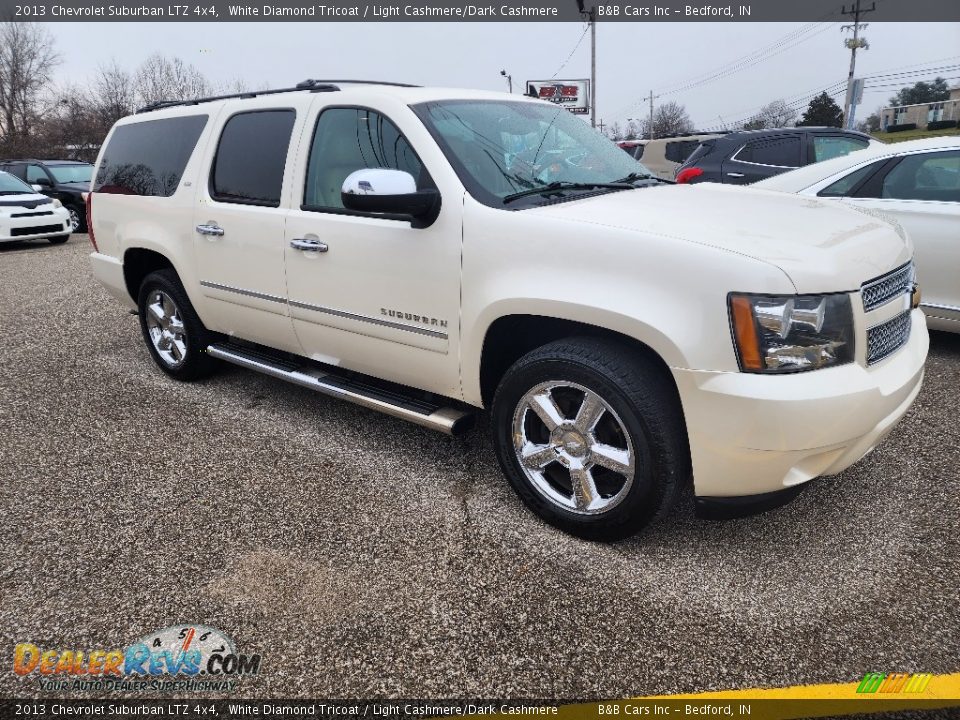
(732, 174)
(214, 230)
(309, 244)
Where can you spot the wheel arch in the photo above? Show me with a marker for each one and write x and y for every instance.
(508, 337)
(138, 262)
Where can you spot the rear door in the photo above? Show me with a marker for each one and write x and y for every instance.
(239, 223)
(762, 158)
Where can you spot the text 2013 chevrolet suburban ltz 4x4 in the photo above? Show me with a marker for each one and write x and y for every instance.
(431, 252)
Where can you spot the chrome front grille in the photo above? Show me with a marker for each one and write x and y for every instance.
(886, 338)
(881, 290)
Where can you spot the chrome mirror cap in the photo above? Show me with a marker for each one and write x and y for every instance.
(379, 181)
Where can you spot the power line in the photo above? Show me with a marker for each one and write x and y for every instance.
(570, 56)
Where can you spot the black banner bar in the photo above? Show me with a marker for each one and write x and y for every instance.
(762, 709)
(466, 11)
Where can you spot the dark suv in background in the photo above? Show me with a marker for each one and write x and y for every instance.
(749, 155)
(66, 180)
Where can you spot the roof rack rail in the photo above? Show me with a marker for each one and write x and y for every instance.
(306, 85)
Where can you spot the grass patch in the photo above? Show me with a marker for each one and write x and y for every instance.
(914, 134)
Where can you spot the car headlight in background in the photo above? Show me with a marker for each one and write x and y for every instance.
(57, 203)
(791, 333)
(83, 196)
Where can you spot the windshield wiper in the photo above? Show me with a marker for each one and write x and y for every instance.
(559, 186)
(633, 177)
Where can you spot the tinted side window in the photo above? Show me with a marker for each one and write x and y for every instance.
(782, 151)
(19, 170)
(148, 158)
(350, 139)
(928, 176)
(844, 185)
(251, 157)
(831, 146)
(678, 151)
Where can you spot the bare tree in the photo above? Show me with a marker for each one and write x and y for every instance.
(772, 115)
(615, 132)
(162, 78)
(112, 93)
(27, 61)
(668, 119)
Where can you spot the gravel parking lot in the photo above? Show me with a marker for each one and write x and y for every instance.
(365, 556)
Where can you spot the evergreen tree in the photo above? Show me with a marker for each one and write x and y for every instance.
(822, 111)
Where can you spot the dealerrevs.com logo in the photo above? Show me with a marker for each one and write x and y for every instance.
(179, 658)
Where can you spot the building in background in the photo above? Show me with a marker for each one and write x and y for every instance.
(923, 114)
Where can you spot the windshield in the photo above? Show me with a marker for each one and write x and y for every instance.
(71, 173)
(500, 148)
(10, 185)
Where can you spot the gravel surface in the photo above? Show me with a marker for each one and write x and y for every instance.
(364, 556)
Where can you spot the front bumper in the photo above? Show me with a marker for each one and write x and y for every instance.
(755, 434)
(54, 224)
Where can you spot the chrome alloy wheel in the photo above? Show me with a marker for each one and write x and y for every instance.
(165, 325)
(74, 220)
(573, 448)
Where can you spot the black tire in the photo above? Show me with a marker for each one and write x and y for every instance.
(78, 218)
(195, 363)
(645, 405)
(59, 240)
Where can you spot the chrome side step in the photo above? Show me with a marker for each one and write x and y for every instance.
(449, 420)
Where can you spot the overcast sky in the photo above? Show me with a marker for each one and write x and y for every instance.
(799, 58)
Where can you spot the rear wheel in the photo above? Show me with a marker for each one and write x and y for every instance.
(174, 335)
(590, 434)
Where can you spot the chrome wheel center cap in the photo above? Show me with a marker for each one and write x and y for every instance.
(573, 443)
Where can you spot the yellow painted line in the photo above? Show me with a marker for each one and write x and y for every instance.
(941, 687)
(784, 703)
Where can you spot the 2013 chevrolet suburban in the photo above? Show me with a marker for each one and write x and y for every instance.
(431, 252)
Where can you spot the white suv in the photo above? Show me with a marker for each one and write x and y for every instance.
(430, 252)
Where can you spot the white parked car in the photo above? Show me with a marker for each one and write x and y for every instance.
(429, 252)
(25, 214)
(917, 184)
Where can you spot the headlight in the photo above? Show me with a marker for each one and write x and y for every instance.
(83, 196)
(57, 203)
(791, 333)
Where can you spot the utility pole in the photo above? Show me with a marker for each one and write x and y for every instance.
(651, 98)
(600, 125)
(591, 16)
(854, 43)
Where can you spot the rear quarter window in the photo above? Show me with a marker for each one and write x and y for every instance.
(147, 158)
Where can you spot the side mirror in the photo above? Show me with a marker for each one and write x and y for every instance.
(44, 182)
(37, 187)
(392, 192)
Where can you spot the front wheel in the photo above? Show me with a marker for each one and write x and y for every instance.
(590, 434)
(175, 336)
(77, 223)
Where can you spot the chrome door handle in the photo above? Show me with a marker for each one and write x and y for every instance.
(214, 230)
(309, 244)
(734, 174)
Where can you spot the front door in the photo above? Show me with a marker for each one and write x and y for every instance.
(371, 294)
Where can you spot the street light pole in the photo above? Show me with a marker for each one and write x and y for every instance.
(509, 80)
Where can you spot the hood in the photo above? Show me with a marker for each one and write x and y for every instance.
(27, 201)
(821, 246)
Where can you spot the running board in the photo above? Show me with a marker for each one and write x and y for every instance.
(449, 420)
